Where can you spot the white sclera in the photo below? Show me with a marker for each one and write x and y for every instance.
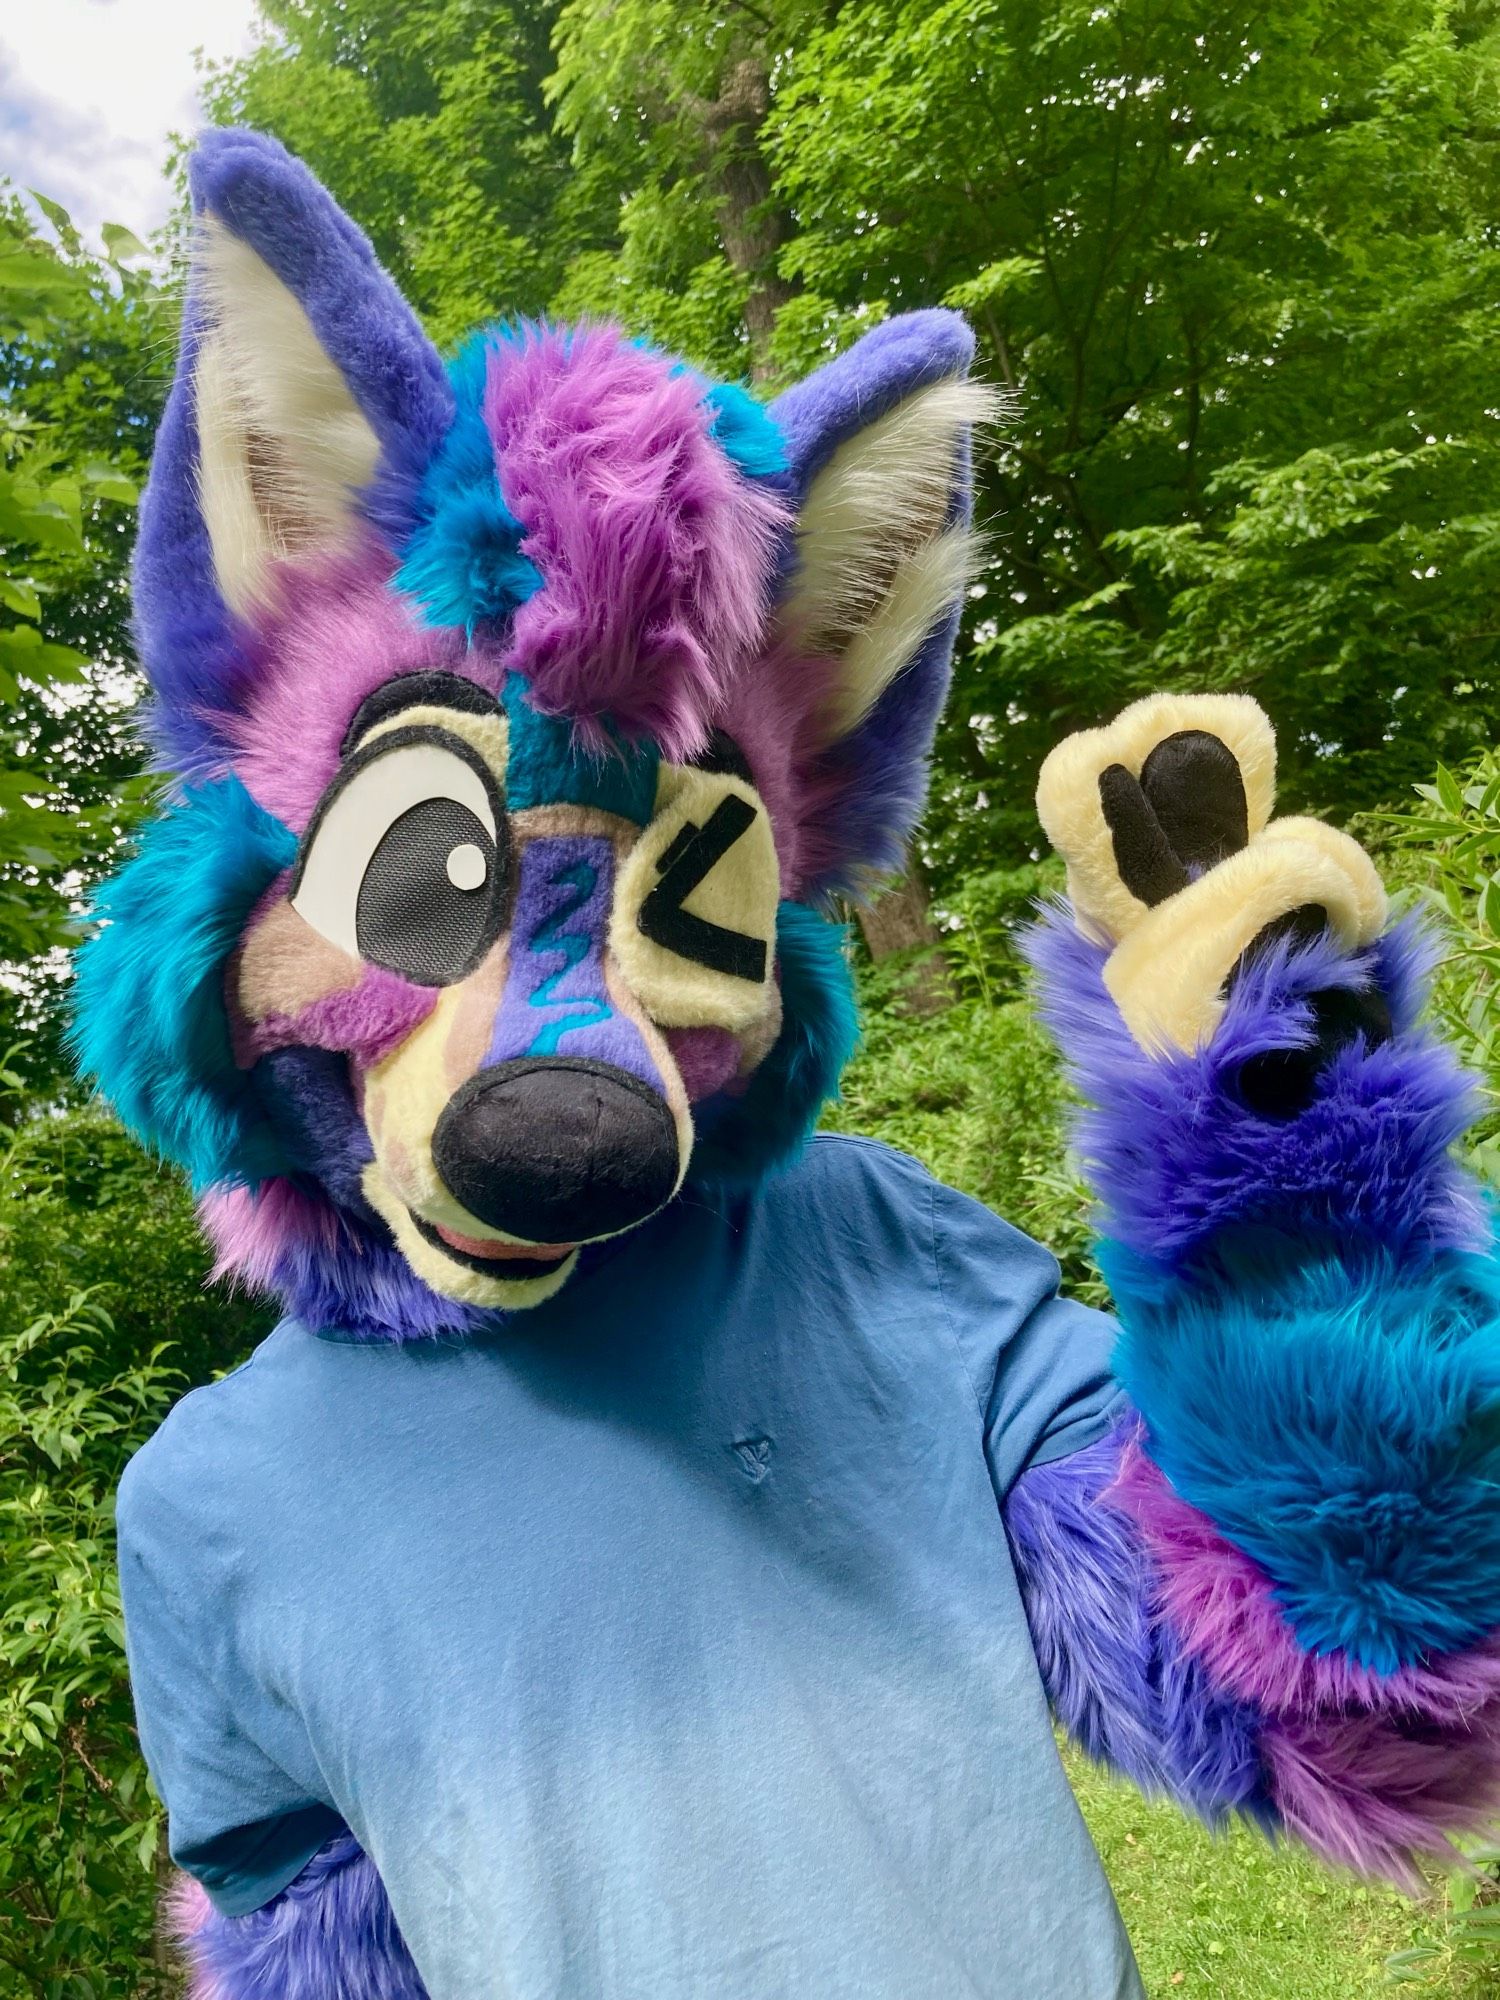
(466, 866)
(361, 816)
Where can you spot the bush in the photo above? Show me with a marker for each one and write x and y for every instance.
(105, 1322)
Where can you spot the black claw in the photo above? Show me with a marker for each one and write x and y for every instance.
(1143, 854)
(1282, 1083)
(1193, 784)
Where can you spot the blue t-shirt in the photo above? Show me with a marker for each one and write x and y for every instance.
(664, 1645)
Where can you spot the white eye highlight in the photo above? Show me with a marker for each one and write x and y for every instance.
(467, 866)
(403, 865)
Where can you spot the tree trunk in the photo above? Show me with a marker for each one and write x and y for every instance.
(751, 226)
(900, 920)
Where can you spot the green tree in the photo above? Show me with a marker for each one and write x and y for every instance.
(104, 1321)
(1236, 268)
(82, 371)
(427, 121)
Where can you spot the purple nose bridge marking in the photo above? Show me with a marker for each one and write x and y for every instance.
(555, 1001)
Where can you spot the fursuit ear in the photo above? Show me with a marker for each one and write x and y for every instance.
(879, 444)
(307, 402)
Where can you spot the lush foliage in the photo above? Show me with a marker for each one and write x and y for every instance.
(104, 1321)
(1235, 267)
(81, 363)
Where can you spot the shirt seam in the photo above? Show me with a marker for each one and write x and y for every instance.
(942, 1291)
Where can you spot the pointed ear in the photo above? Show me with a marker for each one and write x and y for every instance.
(307, 403)
(879, 443)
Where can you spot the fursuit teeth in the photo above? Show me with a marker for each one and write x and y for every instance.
(331, 1932)
(1166, 1656)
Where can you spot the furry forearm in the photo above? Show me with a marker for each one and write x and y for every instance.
(329, 1936)
(1182, 1162)
(1167, 1655)
(1309, 1309)
(1309, 1303)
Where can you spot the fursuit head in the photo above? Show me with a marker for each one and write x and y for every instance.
(525, 715)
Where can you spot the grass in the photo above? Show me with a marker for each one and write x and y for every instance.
(1228, 1917)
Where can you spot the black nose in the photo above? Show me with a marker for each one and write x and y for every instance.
(557, 1150)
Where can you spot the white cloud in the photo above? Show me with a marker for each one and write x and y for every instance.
(90, 91)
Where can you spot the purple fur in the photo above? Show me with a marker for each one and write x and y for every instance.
(556, 999)
(1175, 1155)
(337, 633)
(854, 805)
(1374, 1793)
(367, 1020)
(656, 554)
(1118, 1680)
(329, 1270)
(891, 362)
(330, 1936)
(194, 649)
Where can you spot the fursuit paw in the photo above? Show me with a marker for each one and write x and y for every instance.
(1163, 818)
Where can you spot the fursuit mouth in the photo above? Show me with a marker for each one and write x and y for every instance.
(489, 1254)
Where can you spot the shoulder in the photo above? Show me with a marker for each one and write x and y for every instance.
(197, 1451)
(848, 1175)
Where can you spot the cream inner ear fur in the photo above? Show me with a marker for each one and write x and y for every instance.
(879, 563)
(1067, 794)
(282, 444)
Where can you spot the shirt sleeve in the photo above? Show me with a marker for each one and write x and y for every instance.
(1039, 1363)
(235, 1820)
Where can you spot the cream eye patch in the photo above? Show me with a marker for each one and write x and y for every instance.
(695, 915)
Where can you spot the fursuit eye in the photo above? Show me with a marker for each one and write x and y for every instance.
(405, 864)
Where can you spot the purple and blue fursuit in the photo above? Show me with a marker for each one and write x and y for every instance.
(531, 717)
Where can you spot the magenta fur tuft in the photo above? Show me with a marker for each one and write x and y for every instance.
(656, 554)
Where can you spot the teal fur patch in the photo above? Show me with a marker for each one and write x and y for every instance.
(1338, 1419)
(745, 431)
(463, 563)
(547, 767)
(149, 1019)
(739, 1138)
(582, 878)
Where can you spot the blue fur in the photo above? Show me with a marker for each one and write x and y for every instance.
(1117, 1677)
(330, 1936)
(745, 432)
(739, 1138)
(149, 1020)
(546, 766)
(1338, 1418)
(463, 565)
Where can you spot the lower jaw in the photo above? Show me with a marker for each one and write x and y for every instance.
(502, 1270)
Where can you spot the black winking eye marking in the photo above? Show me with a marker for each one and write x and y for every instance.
(687, 860)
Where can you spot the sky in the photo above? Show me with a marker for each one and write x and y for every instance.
(91, 89)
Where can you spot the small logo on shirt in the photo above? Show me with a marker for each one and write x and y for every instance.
(754, 1455)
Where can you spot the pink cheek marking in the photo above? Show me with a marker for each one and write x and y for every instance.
(364, 1022)
(706, 1058)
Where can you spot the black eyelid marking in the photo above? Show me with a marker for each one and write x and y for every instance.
(722, 755)
(429, 689)
(399, 739)
(685, 863)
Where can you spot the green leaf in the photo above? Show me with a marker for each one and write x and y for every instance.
(20, 597)
(120, 243)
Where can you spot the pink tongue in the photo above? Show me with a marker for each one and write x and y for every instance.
(488, 1246)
